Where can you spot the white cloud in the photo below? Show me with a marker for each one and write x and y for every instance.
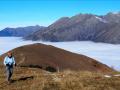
(106, 53)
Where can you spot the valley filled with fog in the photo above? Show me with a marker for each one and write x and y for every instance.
(106, 53)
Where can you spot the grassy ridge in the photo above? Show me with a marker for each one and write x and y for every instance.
(37, 79)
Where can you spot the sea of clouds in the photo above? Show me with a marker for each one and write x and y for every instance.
(106, 53)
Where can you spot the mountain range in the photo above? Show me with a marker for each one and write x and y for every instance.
(82, 27)
(20, 31)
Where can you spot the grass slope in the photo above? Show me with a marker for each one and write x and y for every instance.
(25, 78)
(45, 56)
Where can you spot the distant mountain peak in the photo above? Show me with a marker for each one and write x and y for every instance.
(115, 13)
(82, 27)
(20, 31)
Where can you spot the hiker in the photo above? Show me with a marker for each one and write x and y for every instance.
(9, 61)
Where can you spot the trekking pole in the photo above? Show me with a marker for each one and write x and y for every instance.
(23, 59)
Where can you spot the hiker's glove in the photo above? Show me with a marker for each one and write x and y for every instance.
(7, 64)
(15, 64)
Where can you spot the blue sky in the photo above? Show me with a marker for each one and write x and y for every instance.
(15, 13)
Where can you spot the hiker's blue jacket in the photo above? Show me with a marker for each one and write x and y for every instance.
(9, 61)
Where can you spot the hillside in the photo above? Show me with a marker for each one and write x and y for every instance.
(37, 79)
(54, 59)
(20, 31)
(44, 67)
(82, 27)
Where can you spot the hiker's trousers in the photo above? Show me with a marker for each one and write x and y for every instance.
(9, 71)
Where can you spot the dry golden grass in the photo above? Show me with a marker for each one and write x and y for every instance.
(37, 79)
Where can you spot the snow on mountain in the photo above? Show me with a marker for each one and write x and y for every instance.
(100, 19)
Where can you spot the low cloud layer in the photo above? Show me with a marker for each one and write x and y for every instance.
(106, 53)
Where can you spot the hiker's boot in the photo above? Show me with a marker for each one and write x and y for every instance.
(9, 81)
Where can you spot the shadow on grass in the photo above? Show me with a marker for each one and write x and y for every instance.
(22, 79)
